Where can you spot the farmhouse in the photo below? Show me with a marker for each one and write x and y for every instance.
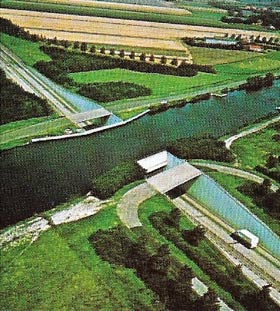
(165, 172)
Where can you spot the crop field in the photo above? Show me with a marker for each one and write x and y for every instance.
(118, 6)
(200, 16)
(108, 31)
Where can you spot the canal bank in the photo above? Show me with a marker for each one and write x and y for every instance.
(37, 177)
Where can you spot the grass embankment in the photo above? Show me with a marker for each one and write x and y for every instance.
(29, 52)
(198, 17)
(254, 149)
(231, 183)
(18, 133)
(31, 275)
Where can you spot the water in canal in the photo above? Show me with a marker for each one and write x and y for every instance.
(39, 176)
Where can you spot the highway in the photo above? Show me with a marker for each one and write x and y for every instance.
(257, 265)
(22, 75)
(31, 81)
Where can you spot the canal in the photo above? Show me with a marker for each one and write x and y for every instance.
(39, 176)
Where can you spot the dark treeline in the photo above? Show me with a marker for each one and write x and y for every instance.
(226, 275)
(201, 148)
(16, 104)
(266, 18)
(64, 62)
(110, 91)
(258, 82)
(166, 277)
(107, 184)
(201, 43)
(9, 28)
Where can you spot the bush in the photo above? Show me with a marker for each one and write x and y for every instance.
(203, 148)
(107, 184)
(110, 91)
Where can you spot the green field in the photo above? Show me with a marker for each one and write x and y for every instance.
(160, 85)
(230, 183)
(237, 67)
(198, 17)
(208, 56)
(63, 259)
(28, 51)
(254, 149)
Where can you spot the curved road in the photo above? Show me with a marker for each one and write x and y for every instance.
(233, 171)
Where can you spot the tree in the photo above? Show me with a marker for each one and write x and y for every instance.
(163, 60)
(174, 62)
(102, 50)
(112, 52)
(76, 45)
(93, 49)
(173, 218)
(195, 236)
(83, 46)
(152, 58)
(65, 43)
(142, 57)
(132, 55)
(208, 302)
(122, 54)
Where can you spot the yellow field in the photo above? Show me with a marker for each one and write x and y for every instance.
(120, 6)
(112, 31)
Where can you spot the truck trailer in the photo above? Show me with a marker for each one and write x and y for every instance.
(246, 238)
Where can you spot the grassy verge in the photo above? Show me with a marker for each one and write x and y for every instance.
(254, 149)
(21, 132)
(29, 52)
(230, 183)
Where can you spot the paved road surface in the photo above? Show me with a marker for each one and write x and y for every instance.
(127, 209)
(233, 171)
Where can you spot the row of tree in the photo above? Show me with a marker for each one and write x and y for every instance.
(84, 47)
(258, 82)
(167, 278)
(227, 276)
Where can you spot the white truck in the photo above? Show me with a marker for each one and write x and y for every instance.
(246, 238)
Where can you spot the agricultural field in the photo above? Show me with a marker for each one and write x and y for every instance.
(199, 15)
(102, 30)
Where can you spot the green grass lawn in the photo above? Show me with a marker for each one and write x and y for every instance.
(254, 149)
(61, 271)
(269, 62)
(230, 183)
(160, 85)
(28, 51)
